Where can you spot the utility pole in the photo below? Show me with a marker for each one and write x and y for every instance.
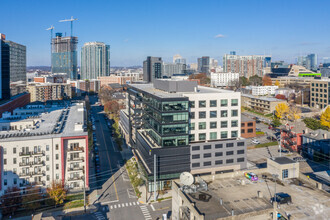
(155, 182)
(280, 146)
(274, 200)
(83, 178)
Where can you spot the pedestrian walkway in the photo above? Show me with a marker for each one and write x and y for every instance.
(99, 216)
(145, 212)
(122, 205)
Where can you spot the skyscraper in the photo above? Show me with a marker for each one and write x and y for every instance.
(95, 60)
(12, 67)
(178, 59)
(309, 61)
(152, 69)
(64, 55)
(203, 65)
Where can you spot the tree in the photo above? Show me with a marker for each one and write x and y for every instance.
(11, 200)
(266, 81)
(280, 96)
(277, 83)
(111, 107)
(282, 110)
(32, 198)
(255, 80)
(202, 77)
(294, 113)
(325, 118)
(276, 122)
(314, 124)
(57, 192)
(244, 81)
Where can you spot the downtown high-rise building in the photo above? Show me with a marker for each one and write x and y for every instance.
(178, 59)
(95, 60)
(246, 66)
(12, 68)
(64, 55)
(152, 69)
(309, 61)
(203, 65)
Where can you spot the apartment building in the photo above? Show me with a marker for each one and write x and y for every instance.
(320, 93)
(188, 127)
(44, 143)
(49, 91)
(291, 136)
(261, 104)
(262, 90)
(106, 80)
(224, 79)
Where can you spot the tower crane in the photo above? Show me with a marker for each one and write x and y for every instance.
(71, 20)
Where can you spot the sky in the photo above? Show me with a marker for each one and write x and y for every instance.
(135, 29)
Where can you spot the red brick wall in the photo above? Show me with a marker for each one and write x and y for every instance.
(12, 104)
(245, 127)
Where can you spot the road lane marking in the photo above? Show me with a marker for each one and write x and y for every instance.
(153, 208)
(126, 204)
(107, 202)
(162, 208)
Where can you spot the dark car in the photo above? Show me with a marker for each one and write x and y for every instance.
(97, 170)
(97, 161)
(283, 151)
(282, 198)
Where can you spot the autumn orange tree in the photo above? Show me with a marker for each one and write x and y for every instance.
(282, 110)
(277, 83)
(10, 201)
(325, 117)
(57, 192)
(266, 81)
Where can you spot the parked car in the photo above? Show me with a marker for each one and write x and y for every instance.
(96, 149)
(299, 159)
(270, 127)
(282, 198)
(258, 129)
(255, 141)
(283, 150)
(271, 138)
(97, 170)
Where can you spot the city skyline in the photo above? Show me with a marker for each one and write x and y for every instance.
(219, 31)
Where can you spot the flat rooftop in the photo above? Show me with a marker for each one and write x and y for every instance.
(283, 160)
(270, 99)
(55, 121)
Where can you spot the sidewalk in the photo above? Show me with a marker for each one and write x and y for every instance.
(150, 198)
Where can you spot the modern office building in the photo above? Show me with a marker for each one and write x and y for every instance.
(320, 93)
(188, 127)
(287, 80)
(12, 68)
(246, 65)
(49, 91)
(64, 55)
(178, 59)
(301, 71)
(171, 69)
(95, 60)
(152, 69)
(203, 65)
(52, 145)
(224, 79)
(309, 61)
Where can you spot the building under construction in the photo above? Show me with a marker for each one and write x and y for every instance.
(64, 55)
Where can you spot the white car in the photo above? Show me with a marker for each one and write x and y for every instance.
(255, 141)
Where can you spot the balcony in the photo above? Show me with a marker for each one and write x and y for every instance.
(24, 174)
(76, 168)
(74, 178)
(25, 154)
(40, 183)
(76, 159)
(32, 163)
(23, 164)
(39, 173)
(38, 153)
(76, 149)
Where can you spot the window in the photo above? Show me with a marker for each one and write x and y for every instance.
(213, 114)
(4, 150)
(57, 176)
(218, 162)
(195, 164)
(47, 168)
(213, 124)
(191, 137)
(285, 173)
(213, 135)
(213, 103)
(14, 150)
(15, 181)
(48, 178)
(217, 146)
(195, 156)
(207, 163)
(234, 123)
(242, 131)
(202, 104)
(234, 113)
(228, 153)
(47, 147)
(195, 148)
(207, 155)
(192, 115)
(5, 182)
(57, 166)
(229, 161)
(202, 125)
(192, 104)
(250, 124)
(202, 114)
(207, 147)
(56, 147)
(224, 124)
(56, 156)
(240, 159)
(47, 158)
(5, 172)
(202, 136)
(230, 145)
(250, 130)
(224, 113)
(14, 160)
(192, 126)
(218, 154)
(4, 161)
(240, 152)
(234, 134)
(224, 134)
(234, 102)
(14, 171)
(224, 102)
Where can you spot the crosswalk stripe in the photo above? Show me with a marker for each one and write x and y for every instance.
(111, 207)
(115, 206)
(126, 204)
(130, 204)
(118, 205)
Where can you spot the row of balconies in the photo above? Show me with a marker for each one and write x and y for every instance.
(39, 183)
(77, 168)
(32, 163)
(77, 159)
(32, 153)
(78, 149)
(39, 173)
(75, 178)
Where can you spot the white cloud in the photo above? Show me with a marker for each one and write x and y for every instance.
(219, 36)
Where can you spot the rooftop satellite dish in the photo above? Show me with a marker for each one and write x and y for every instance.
(186, 178)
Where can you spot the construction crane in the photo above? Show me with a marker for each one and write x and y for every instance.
(71, 20)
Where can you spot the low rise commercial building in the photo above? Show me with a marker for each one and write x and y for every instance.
(49, 91)
(261, 104)
(262, 90)
(40, 149)
(14, 102)
(283, 167)
(120, 79)
(286, 80)
(301, 71)
(248, 127)
(224, 79)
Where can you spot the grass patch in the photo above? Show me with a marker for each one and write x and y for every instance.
(267, 144)
(260, 133)
(74, 204)
(161, 199)
(132, 170)
(76, 196)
